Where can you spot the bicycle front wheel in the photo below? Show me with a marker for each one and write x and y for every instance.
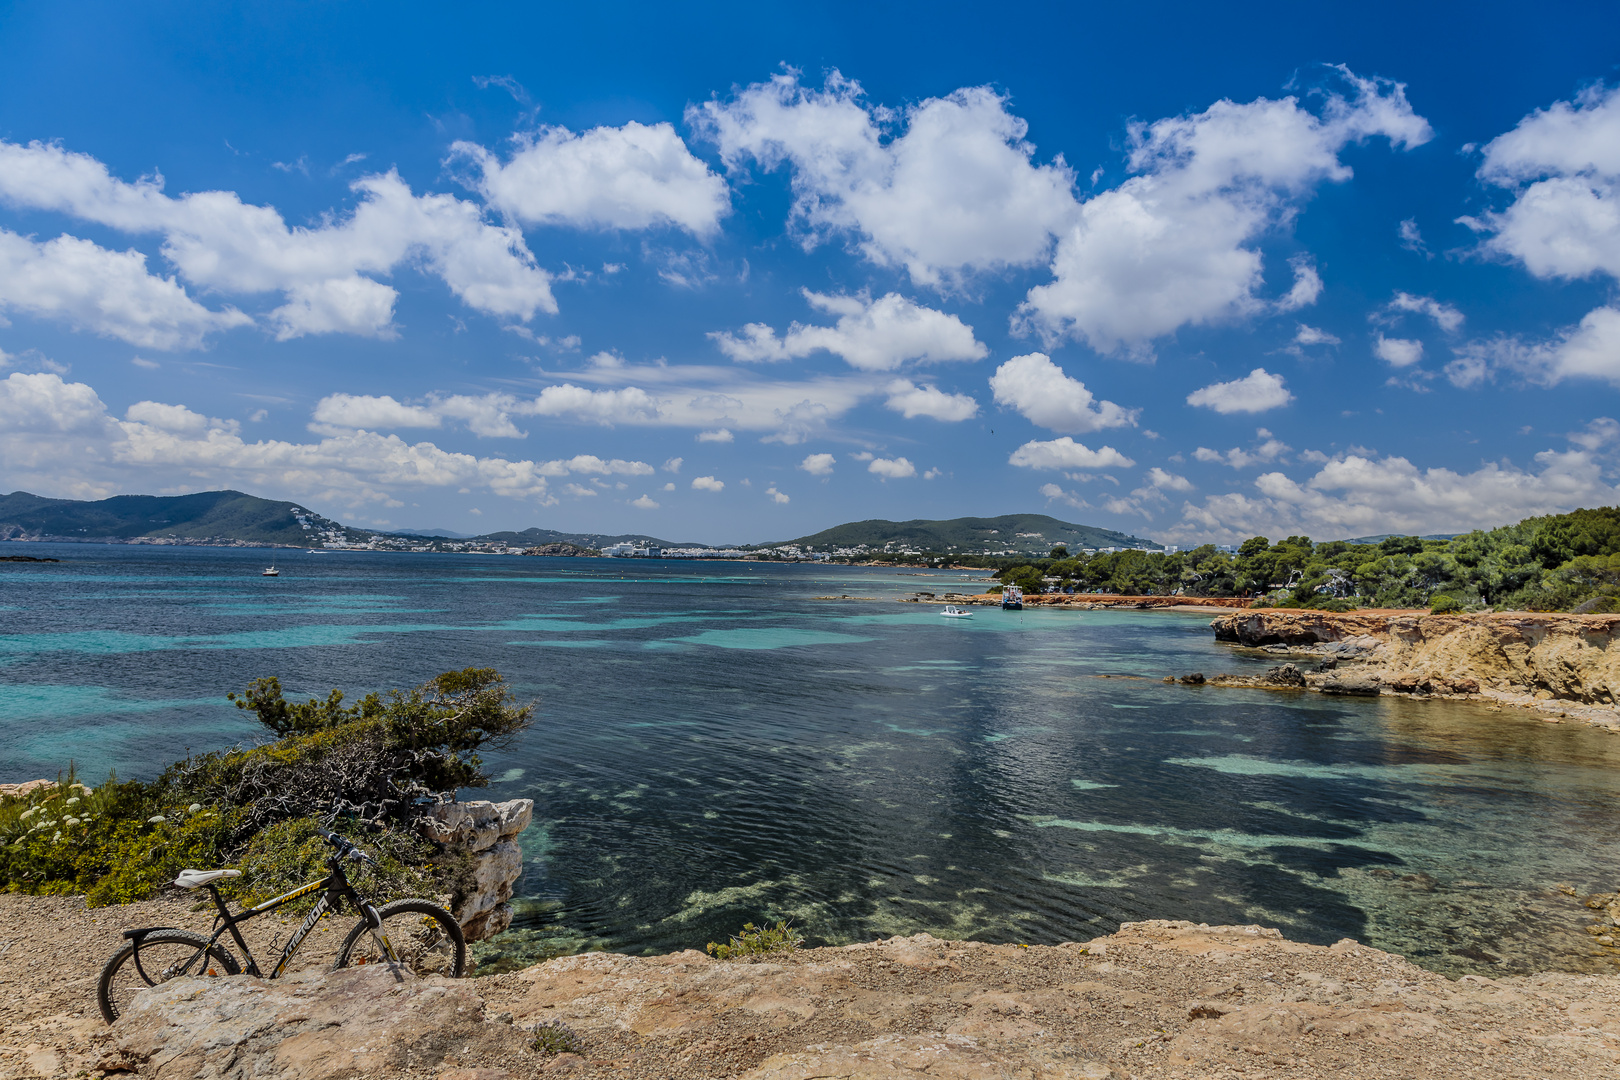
(426, 938)
(154, 960)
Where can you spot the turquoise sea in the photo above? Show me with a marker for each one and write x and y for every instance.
(715, 745)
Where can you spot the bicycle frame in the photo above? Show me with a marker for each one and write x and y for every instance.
(337, 888)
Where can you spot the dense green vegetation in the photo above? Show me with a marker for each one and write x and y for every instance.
(1565, 562)
(361, 770)
(1039, 532)
(218, 515)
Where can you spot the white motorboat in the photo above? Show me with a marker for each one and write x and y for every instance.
(1012, 598)
(953, 612)
(271, 572)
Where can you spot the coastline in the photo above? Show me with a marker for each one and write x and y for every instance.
(1156, 998)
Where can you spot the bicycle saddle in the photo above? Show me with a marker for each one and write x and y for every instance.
(193, 879)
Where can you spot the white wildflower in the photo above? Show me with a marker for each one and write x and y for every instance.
(72, 802)
(30, 812)
(56, 836)
(156, 819)
(194, 807)
(70, 821)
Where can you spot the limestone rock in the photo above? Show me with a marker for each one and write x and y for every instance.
(477, 825)
(484, 912)
(358, 1022)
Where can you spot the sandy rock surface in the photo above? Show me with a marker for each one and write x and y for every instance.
(1157, 999)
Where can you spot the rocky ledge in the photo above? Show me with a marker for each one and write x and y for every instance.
(1562, 665)
(1160, 999)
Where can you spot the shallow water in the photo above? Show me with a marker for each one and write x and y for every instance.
(713, 746)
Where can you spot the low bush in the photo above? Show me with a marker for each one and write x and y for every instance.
(363, 771)
(754, 940)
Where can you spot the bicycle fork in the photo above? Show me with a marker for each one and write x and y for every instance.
(375, 927)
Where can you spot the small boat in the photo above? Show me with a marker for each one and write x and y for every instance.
(271, 572)
(953, 612)
(1012, 598)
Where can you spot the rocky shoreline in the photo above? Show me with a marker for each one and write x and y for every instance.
(1156, 999)
(1562, 666)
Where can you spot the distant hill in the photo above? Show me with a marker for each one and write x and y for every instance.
(537, 537)
(1385, 536)
(208, 516)
(1018, 533)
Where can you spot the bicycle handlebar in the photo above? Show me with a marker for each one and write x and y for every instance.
(346, 850)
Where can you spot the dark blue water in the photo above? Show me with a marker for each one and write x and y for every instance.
(715, 745)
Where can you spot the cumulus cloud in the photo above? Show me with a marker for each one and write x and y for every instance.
(1257, 391)
(707, 483)
(110, 293)
(1412, 238)
(1562, 165)
(1168, 481)
(776, 496)
(1310, 335)
(891, 468)
(941, 188)
(1397, 352)
(1445, 316)
(818, 464)
(1356, 495)
(1065, 453)
(872, 335)
(1175, 245)
(631, 177)
(218, 242)
(1588, 350)
(911, 400)
(719, 435)
(1267, 449)
(57, 437)
(645, 502)
(1040, 391)
(374, 412)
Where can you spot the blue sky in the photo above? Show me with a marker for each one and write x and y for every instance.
(723, 274)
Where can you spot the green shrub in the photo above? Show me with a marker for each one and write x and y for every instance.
(1444, 605)
(754, 940)
(556, 1038)
(360, 770)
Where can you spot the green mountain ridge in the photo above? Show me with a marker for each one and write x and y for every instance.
(1017, 533)
(215, 516)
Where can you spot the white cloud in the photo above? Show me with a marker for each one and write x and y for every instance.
(1307, 285)
(1412, 238)
(1065, 453)
(579, 490)
(818, 464)
(674, 464)
(1445, 316)
(1310, 335)
(220, 243)
(911, 400)
(776, 496)
(1398, 352)
(719, 435)
(365, 411)
(56, 437)
(1174, 245)
(1588, 350)
(933, 474)
(707, 483)
(872, 335)
(1267, 450)
(1168, 481)
(1353, 495)
(631, 177)
(1043, 394)
(943, 187)
(863, 455)
(1257, 391)
(110, 293)
(1054, 493)
(892, 468)
(645, 502)
(629, 405)
(1563, 166)
(669, 487)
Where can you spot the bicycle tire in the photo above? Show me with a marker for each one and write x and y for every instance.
(425, 937)
(160, 954)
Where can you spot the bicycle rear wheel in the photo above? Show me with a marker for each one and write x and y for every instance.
(426, 938)
(155, 959)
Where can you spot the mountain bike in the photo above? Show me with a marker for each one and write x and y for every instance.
(416, 934)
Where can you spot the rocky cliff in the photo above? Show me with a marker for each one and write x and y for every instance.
(1556, 662)
(1162, 999)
